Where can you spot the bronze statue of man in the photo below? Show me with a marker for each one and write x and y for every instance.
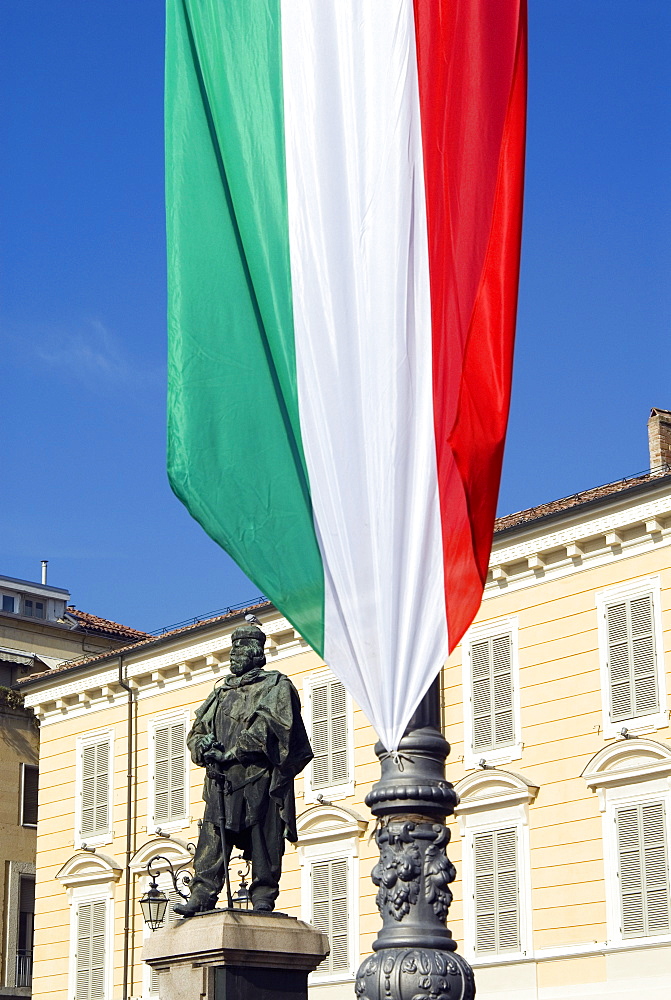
(250, 736)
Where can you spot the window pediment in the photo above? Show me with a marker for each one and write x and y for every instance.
(88, 868)
(493, 788)
(175, 851)
(329, 822)
(627, 762)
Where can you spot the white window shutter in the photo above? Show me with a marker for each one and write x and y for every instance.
(169, 772)
(329, 735)
(320, 736)
(90, 958)
(644, 870)
(162, 775)
(502, 683)
(497, 917)
(632, 658)
(485, 892)
(178, 771)
(492, 686)
(339, 754)
(508, 892)
(330, 911)
(643, 655)
(95, 788)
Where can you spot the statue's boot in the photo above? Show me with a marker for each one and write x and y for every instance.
(263, 902)
(193, 905)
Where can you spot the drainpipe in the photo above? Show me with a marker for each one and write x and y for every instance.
(129, 827)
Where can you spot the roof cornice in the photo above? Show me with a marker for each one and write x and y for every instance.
(142, 646)
(620, 525)
(180, 660)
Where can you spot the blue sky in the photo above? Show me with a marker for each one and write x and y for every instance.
(82, 290)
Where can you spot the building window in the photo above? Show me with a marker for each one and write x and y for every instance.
(89, 877)
(328, 851)
(643, 869)
(94, 788)
(632, 780)
(165, 884)
(20, 889)
(631, 658)
(493, 817)
(29, 780)
(491, 693)
(329, 711)
(497, 904)
(7, 603)
(90, 972)
(24, 940)
(632, 676)
(162, 853)
(169, 772)
(491, 665)
(33, 608)
(330, 911)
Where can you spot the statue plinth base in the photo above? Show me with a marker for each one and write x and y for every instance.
(235, 955)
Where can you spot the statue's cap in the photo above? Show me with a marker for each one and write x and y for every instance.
(250, 632)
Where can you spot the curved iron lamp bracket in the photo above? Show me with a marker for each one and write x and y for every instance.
(181, 877)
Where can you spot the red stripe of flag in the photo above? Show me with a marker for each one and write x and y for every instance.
(471, 58)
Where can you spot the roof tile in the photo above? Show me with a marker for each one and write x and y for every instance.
(102, 626)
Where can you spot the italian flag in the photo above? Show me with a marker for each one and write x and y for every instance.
(344, 196)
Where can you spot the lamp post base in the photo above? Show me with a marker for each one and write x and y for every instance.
(415, 973)
(414, 954)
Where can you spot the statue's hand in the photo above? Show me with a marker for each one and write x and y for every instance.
(218, 758)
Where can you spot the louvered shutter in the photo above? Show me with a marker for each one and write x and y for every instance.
(643, 870)
(330, 911)
(95, 788)
(169, 772)
(90, 959)
(632, 658)
(29, 797)
(492, 685)
(339, 749)
(320, 736)
(330, 737)
(497, 919)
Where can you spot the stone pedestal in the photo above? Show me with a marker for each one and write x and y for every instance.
(235, 955)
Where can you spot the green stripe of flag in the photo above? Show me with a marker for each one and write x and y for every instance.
(235, 455)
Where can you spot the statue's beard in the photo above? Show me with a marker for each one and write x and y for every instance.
(240, 667)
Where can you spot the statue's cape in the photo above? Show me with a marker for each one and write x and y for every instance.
(273, 732)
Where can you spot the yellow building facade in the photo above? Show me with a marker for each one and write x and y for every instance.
(39, 629)
(556, 706)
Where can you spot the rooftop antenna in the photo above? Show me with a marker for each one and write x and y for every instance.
(45, 563)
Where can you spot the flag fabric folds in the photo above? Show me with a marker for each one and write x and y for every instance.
(344, 201)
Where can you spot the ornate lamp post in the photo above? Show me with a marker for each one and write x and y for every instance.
(414, 954)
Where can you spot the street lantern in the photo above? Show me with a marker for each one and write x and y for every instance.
(153, 904)
(242, 900)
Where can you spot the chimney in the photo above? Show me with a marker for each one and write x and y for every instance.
(45, 562)
(659, 439)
